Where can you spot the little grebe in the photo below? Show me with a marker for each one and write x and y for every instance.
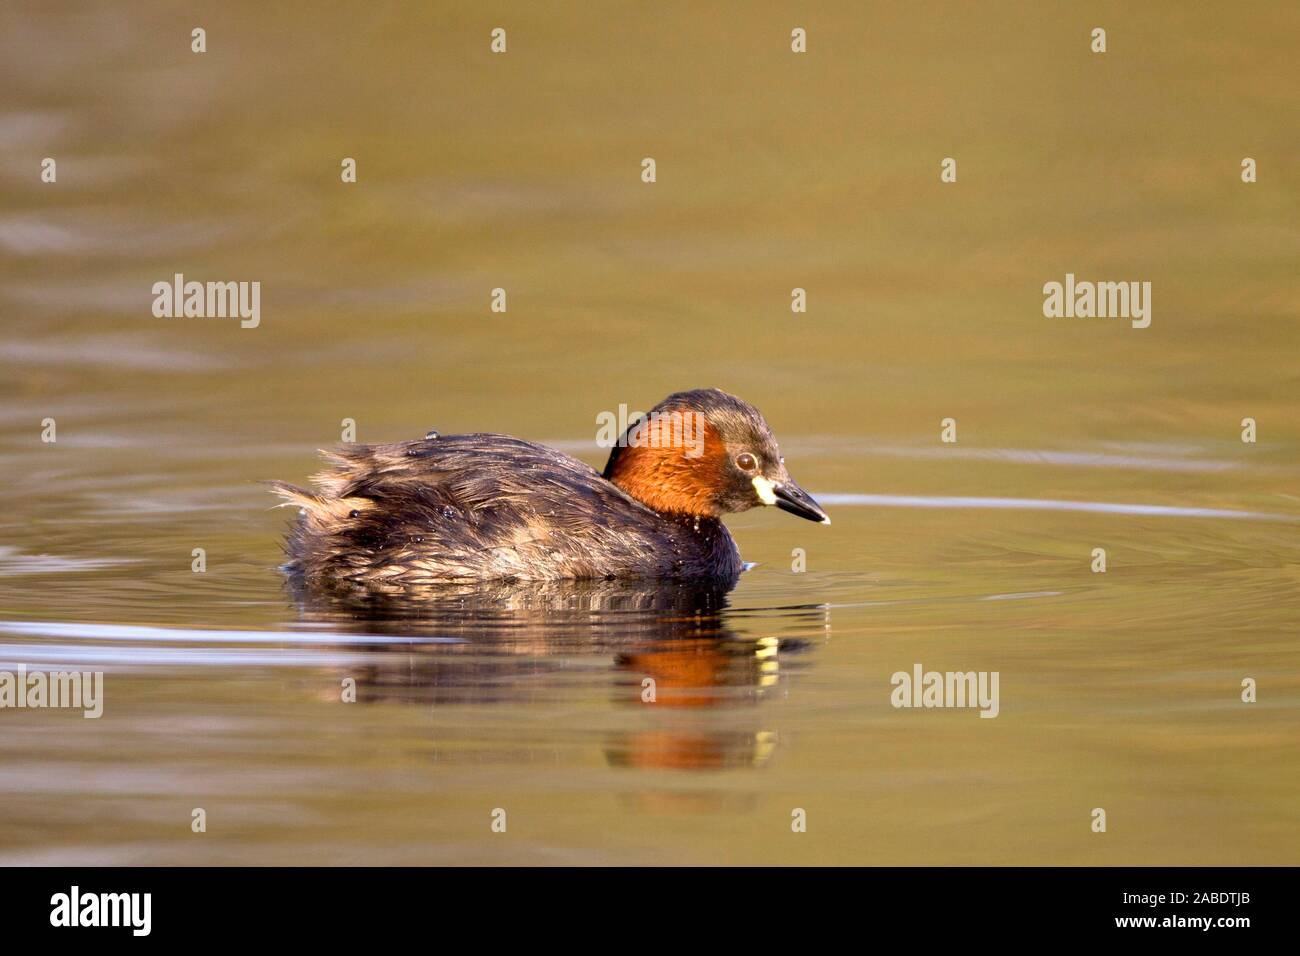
(491, 507)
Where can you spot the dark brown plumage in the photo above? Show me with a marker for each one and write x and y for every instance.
(491, 507)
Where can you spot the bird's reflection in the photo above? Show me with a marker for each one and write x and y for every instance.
(680, 666)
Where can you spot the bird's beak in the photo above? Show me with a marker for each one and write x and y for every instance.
(788, 496)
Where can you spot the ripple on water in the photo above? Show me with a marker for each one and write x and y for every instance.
(15, 563)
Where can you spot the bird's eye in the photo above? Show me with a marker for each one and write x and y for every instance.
(746, 462)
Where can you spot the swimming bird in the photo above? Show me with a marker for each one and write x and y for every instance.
(486, 507)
